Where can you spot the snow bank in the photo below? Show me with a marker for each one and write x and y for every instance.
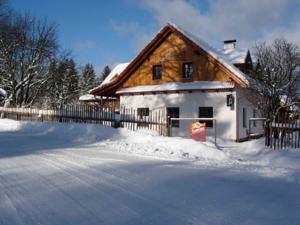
(256, 151)
(143, 142)
(148, 143)
(7, 125)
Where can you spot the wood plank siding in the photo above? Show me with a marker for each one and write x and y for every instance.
(171, 54)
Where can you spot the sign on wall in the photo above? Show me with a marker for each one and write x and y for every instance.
(198, 131)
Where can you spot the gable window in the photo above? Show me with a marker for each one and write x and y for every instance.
(156, 72)
(187, 70)
(244, 118)
(173, 112)
(143, 112)
(206, 112)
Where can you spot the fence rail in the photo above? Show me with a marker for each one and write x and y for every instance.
(283, 132)
(154, 120)
(127, 117)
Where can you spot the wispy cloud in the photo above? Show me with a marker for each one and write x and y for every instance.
(247, 21)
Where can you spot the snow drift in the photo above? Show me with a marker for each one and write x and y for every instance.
(142, 142)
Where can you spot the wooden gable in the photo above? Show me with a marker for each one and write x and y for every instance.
(171, 54)
(170, 48)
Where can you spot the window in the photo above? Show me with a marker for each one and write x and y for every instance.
(206, 112)
(143, 112)
(187, 70)
(244, 117)
(156, 72)
(173, 112)
(254, 116)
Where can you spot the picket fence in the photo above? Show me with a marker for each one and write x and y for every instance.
(126, 117)
(284, 131)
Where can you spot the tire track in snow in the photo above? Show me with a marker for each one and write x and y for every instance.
(7, 205)
(17, 192)
(163, 207)
(90, 186)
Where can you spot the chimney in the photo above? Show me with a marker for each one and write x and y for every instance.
(229, 44)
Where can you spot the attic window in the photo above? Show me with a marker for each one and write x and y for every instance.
(187, 70)
(156, 72)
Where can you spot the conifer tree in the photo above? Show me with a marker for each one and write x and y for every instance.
(105, 72)
(63, 83)
(88, 77)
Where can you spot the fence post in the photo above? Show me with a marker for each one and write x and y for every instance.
(267, 133)
(249, 133)
(169, 126)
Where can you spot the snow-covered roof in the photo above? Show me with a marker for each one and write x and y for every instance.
(117, 70)
(235, 55)
(177, 86)
(89, 97)
(3, 93)
(213, 52)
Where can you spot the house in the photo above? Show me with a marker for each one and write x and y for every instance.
(182, 74)
(104, 101)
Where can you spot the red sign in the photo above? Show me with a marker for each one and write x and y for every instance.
(198, 131)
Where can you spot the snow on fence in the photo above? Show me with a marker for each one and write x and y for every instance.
(283, 132)
(155, 119)
(127, 117)
(75, 113)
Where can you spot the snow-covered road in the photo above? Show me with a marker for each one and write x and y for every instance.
(55, 175)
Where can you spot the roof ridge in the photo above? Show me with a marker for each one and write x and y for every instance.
(212, 51)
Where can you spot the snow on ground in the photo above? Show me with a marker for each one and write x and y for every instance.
(52, 173)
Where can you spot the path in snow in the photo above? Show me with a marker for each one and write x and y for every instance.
(97, 184)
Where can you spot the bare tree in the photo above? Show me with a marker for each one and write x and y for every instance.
(26, 48)
(276, 77)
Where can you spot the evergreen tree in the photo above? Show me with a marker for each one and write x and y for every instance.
(105, 72)
(87, 81)
(70, 83)
(52, 92)
(63, 83)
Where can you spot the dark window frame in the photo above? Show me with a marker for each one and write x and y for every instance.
(187, 74)
(172, 114)
(155, 74)
(141, 112)
(206, 112)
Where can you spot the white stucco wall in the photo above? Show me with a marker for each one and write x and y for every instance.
(243, 102)
(189, 104)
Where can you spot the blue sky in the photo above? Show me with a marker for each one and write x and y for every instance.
(110, 32)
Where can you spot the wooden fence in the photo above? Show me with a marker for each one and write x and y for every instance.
(153, 119)
(284, 131)
(126, 117)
